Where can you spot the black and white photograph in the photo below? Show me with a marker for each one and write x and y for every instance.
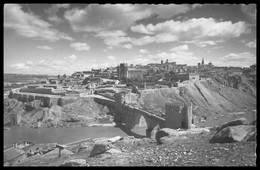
(129, 85)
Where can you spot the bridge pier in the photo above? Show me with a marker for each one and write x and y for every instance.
(118, 108)
(148, 133)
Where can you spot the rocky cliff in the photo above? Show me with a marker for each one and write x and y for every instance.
(81, 112)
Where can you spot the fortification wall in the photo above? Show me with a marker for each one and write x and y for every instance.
(46, 100)
(38, 90)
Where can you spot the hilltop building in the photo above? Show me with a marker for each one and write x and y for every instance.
(202, 66)
(124, 73)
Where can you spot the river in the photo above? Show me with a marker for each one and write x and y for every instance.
(62, 135)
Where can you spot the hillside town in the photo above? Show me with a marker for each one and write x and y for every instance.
(155, 75)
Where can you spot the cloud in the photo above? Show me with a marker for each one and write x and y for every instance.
(113, 33)
(115, 38)
(142, 29)
(143, 51)
(143, 40)
(250, 11)
(202, 43)
(62, 5)
(193, 6)
(206, 43)
(54, 66)
(116, 41)
(196, 28)
(29, 63)
(96, 18)
(217, 47)
(30, 25)
(78, 46)
(111, 57)
(180, 48)
(20, 66)
(244, 59)
(53, 10)
(70, 58)
(128, 46)
(44, 47)
(159, 38)
(251, 44)
(169, 10)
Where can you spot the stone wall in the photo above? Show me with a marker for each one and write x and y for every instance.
(38, 90)
(46, 100)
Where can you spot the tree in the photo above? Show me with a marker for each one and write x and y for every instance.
(58, 76)
(64, 76)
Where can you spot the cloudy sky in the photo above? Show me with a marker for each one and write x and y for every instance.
(64, 38)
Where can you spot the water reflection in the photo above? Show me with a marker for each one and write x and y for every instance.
(59, 135)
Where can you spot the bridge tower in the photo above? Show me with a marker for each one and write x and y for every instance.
(119, 101)
(178, 115)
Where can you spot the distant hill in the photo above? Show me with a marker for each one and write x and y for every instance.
(12, 78)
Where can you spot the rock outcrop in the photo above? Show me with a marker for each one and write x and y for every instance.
(74, 162)
(78, 112)
(234, 134)
(100, 148)
(167, 135)
(240, 121)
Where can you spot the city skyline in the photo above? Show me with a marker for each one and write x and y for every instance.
(64, 38)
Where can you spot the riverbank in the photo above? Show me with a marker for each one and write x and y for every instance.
(59, 135)
(193, 150)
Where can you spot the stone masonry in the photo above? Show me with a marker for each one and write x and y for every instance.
(178, 115)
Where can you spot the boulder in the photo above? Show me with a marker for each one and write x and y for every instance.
(251, 136)
(232, 134)
(74, 162)
(240, 121)
(166, 132)
(174, 133)
(129, 138)
(114, 139)
(113, 151)
(100, 148)
(100, 140)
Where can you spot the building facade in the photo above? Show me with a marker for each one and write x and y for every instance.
(135, 73)
(124, 73)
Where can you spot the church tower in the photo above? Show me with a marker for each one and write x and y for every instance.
(202, 63)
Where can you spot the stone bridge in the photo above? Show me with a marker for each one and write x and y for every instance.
(177, 115)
